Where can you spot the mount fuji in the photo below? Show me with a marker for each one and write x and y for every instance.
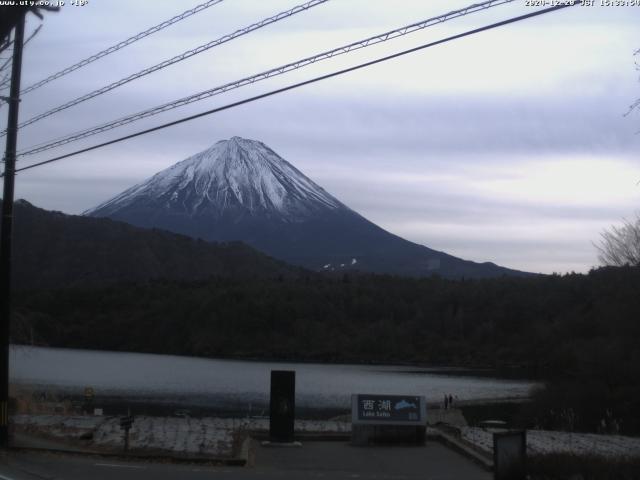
(240, 189)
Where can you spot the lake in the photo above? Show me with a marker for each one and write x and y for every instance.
(236, 385)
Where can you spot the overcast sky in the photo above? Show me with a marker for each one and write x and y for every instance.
(508, 146)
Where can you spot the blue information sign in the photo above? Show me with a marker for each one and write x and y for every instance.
(389, 409)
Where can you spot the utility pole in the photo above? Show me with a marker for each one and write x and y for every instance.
(7, 224)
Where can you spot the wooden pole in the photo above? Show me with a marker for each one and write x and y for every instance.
(7, 226)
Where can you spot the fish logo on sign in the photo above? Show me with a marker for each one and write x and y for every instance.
(403, 405)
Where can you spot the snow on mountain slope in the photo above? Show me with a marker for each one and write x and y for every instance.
(242, 190)
(234, 174)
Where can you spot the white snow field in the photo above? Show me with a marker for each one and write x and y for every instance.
(541, 442)
(193, 437)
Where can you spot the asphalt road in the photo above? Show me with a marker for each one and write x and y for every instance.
(326, 460)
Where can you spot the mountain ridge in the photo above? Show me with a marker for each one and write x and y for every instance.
(53, 250)
(241, 189)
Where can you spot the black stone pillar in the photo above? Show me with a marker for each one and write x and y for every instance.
(282, 405)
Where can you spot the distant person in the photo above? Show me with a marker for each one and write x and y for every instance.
(446, 401)
(615, 427)
(450, 401)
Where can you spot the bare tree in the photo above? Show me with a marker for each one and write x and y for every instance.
(621, 245)
(635, 105)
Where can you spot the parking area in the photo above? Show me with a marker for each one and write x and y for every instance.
(338, 459)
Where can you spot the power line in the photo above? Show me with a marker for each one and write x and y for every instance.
(178, 58)
(27, 40)
(306, 82)
(383, 37)
(6, 81)
(6, 63)
(6, 45)
(33, 34)
(122, 44)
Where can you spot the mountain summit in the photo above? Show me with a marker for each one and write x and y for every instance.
(233, 178)
(240, 189)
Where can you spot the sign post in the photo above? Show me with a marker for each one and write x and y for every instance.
(510, 455)
(89, 395)
(388, 418)
(125, 424)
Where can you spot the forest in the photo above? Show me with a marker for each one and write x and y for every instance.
(579, 333)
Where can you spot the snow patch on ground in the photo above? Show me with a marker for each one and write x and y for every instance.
(541, 442)
(209, 436)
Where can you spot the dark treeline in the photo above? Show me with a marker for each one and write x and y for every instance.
(55, 250)
(577, 330)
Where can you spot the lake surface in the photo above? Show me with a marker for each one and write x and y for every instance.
(234, 384)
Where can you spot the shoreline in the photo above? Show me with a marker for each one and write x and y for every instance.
(511, 372)
(47, 399)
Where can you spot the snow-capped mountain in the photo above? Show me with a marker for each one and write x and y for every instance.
(240, 189)
(233, 177)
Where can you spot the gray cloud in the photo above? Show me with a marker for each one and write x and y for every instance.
(416, 145)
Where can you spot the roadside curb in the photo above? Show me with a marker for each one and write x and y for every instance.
(454, 443)
(241, 460)
(309, 437)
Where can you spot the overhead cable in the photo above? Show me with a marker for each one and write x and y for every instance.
(122, 44)
(178, 58)
(8, 62)
(383, 37)
(301, 84)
